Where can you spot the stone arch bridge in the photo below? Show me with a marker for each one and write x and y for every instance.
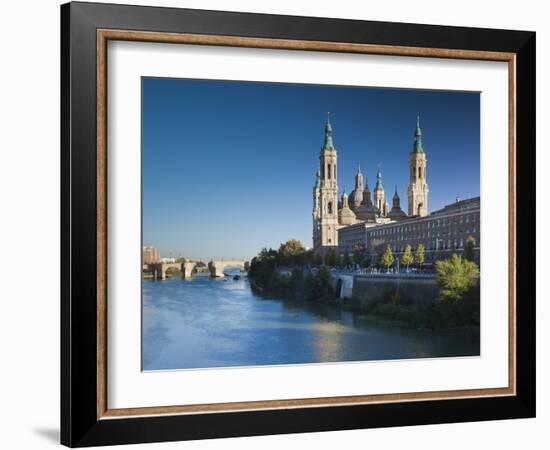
(216, 268)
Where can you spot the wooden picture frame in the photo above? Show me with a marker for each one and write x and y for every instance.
(85, 416)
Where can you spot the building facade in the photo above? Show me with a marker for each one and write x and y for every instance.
(331, 216)
(325, 196)
(418, 185)
(150, 255)
(442, 232)
(363, 221)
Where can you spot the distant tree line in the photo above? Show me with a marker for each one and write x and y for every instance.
(292, 271)
(283, 272)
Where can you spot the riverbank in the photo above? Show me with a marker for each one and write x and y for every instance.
(390, 303)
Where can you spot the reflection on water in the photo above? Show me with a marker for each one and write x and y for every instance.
(207, 322)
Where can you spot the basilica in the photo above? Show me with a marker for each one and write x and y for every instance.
(332, 215)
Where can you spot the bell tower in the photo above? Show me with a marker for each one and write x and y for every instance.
(418, 186)
(379, 202)
(317, 210)
(327, 225)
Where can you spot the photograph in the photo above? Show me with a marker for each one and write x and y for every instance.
(292, 224)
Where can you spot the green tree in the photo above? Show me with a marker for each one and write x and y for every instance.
(181, 260)
(455, 277)
(317, 260)
(366, 261)
(387, 258)
(419, 255)
(330, 257)
(359, 254)
(338, 262)
(291, 251)
(407, 258)
(346, 260)
(453, 247)
(469, 249)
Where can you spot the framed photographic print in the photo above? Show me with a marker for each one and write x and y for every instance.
(276, 224)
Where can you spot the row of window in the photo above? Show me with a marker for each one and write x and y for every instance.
(473, 218)
(436, 244)
(437, 234)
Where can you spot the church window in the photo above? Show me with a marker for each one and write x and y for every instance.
(330, 207)
(329, 171)
(334, 169)
(419, 173)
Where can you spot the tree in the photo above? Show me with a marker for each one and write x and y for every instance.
(455, 277)
(346, 260)
(291, 251)
(181, 260)
(317, 260)
(469, 249)
(419, 255)
(453, 247)
(359, 254)
(407, 258)
(366, 261)
(337, 258)
(330, 257)
(387, 258)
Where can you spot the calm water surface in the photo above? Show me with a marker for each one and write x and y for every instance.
(207, 322)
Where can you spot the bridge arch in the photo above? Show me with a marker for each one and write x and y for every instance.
(217, 268)
(159, 269)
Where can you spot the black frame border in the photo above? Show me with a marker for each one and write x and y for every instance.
(79, 424)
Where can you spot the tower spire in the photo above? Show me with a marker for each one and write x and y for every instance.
(417, 146)
(378, 179)
(328, 145)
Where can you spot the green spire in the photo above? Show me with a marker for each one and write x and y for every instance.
(417, 146)
(328, 145)
(378, 186)
(317, 178)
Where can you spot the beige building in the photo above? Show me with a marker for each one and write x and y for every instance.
(365, 221)
(325, 197)
(442, 232)
(150, 255)
(418, 185)
(331, 217)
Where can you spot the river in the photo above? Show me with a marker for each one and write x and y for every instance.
(204, 323)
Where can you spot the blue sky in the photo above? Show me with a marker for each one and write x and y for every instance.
(228, 167)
